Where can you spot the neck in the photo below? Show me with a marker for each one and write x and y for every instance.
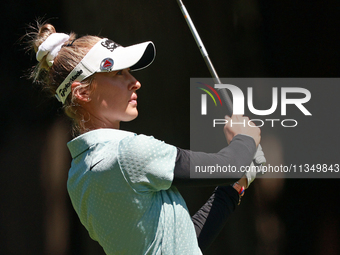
(90, 122)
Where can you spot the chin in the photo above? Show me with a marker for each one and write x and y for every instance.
(131, 117)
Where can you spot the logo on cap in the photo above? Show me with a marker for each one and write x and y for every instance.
(110, 45)
(106, 64)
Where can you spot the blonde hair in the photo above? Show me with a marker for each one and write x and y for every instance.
(49, 78)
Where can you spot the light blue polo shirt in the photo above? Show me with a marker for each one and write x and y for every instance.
(120, 187)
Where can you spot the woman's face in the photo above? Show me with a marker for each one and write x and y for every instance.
(113, 98)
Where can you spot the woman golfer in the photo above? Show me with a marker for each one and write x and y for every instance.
(123, 185)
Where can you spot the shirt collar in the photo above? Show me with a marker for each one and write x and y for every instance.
(85, 141)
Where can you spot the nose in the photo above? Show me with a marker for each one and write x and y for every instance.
(134, 84)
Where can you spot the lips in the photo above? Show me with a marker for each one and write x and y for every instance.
(133, 99)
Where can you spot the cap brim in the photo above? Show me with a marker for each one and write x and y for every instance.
(135, 57)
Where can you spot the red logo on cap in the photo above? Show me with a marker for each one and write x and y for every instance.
(107, 64)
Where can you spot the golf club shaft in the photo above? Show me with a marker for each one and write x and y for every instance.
(223, 92)
(206, 58)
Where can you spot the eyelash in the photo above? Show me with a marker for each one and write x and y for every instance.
(120, 72)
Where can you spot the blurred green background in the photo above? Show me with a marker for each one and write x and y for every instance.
(254, 38)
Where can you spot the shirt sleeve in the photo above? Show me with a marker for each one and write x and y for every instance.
(147, 163)
(210, 219)
(240, 152)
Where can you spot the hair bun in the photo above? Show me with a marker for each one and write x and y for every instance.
(51, 47)
(43, 33)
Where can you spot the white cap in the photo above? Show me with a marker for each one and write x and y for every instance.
(107, 56)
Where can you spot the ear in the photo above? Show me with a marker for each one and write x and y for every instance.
(82, 94)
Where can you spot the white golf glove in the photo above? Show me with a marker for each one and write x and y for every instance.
(256, 165)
